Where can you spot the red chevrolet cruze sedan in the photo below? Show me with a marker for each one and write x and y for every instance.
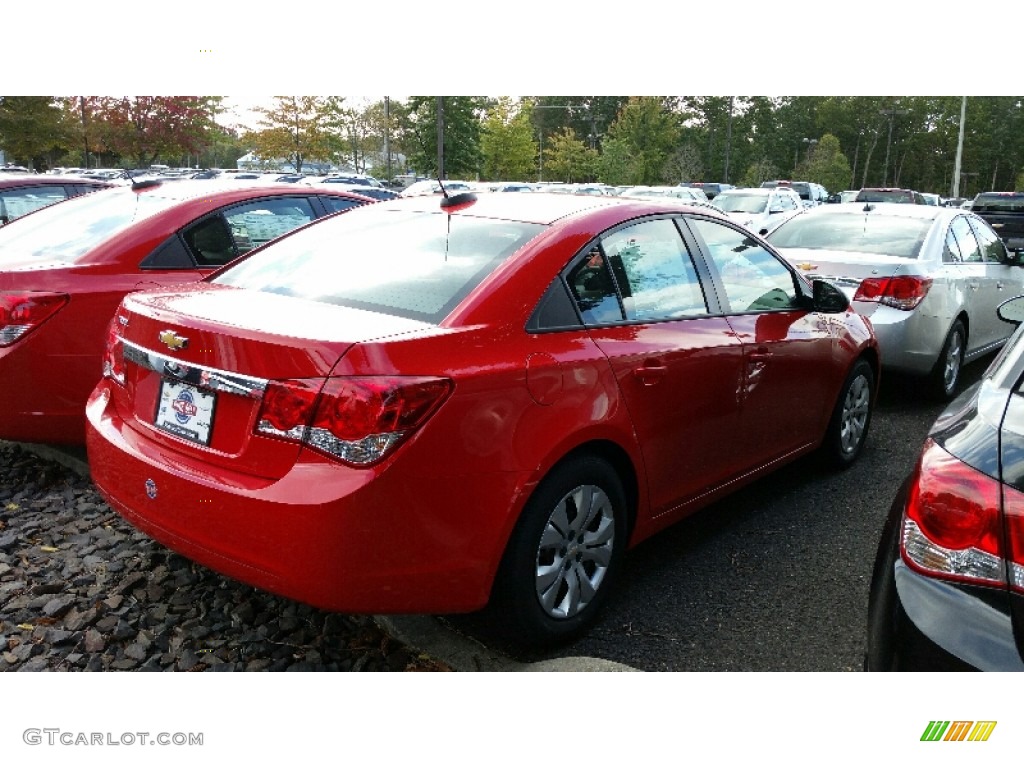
(434, 404)
(65, 268)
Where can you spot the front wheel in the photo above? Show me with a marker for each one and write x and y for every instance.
(851, 417)
(563, 555)
(946, 374)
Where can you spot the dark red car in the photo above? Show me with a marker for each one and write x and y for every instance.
(429, 405)
(64, 270)
(23, 194)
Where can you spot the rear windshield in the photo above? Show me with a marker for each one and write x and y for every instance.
(856, 232)
(742, 202)
(1001, 203)
(412, 264)
(65, 231)
(883, 196)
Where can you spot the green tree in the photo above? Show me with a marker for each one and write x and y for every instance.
(758, 171)
(567, 158)
(506, 141)
(650, 131)
(34, 128)
(461, 135)
(825, 164)
(616, 165)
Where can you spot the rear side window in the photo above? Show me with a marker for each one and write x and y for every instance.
(970, 253)
(412, 264)
(15, 203)
(654, 271)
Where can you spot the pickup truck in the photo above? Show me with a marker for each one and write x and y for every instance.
(1004, 211)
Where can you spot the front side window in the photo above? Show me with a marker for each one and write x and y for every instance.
(259, 222)
(992, 248)
(753, 278)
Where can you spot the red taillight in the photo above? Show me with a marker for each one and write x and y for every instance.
(952, 524)
(901, 291)
(22, 312)
(113, 354)
(358, 420)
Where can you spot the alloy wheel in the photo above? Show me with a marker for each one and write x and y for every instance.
(575, 551)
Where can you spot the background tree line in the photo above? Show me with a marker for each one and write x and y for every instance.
(842, 142)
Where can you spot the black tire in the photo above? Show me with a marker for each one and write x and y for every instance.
(558, 568)
(945, 376)
(851, 417)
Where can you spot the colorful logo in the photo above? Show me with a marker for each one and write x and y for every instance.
(184, 407)
(958, 730)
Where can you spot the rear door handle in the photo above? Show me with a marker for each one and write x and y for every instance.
(651, 372)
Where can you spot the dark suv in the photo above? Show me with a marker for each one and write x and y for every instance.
(1004, 211)
(889, 195)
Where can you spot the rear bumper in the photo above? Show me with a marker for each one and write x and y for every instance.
(908, 342)
(917, 623)
(340, 539)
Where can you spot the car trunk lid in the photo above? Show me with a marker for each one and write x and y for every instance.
(197, 362)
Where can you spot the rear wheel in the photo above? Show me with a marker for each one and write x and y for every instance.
(563, 555)
(946, 374)
(851, 418)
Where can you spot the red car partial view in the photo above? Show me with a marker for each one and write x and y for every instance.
(437, 404)
(20, 195)
(64, 270)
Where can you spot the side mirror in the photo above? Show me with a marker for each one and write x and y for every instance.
(828, 298)
(1012, 310)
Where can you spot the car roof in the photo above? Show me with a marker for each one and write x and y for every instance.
(12, 181)
(545, 207)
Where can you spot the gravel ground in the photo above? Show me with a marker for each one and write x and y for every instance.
(80, 589)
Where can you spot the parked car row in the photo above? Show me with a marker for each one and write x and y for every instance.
(462, 401)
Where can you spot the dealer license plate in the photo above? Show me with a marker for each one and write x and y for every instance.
(185, 411)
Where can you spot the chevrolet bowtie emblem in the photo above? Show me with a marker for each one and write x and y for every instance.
(807, 266)
(173, 340)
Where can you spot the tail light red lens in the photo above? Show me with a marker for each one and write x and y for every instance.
(22, 312)
(113, 354)
(902, 291)
(952, 524)
(358, 420)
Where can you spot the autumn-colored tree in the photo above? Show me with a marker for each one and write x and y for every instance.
(143, 129)
(294, 128)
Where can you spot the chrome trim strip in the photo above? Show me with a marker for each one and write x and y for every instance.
(198, 375)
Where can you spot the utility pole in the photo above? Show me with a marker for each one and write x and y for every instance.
(728, 141)
(440, 137)
(959, 150)
(387, 137)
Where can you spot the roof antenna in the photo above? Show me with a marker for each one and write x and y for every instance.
(460, 200)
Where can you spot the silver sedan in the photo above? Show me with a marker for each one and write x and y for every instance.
(928, 277)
